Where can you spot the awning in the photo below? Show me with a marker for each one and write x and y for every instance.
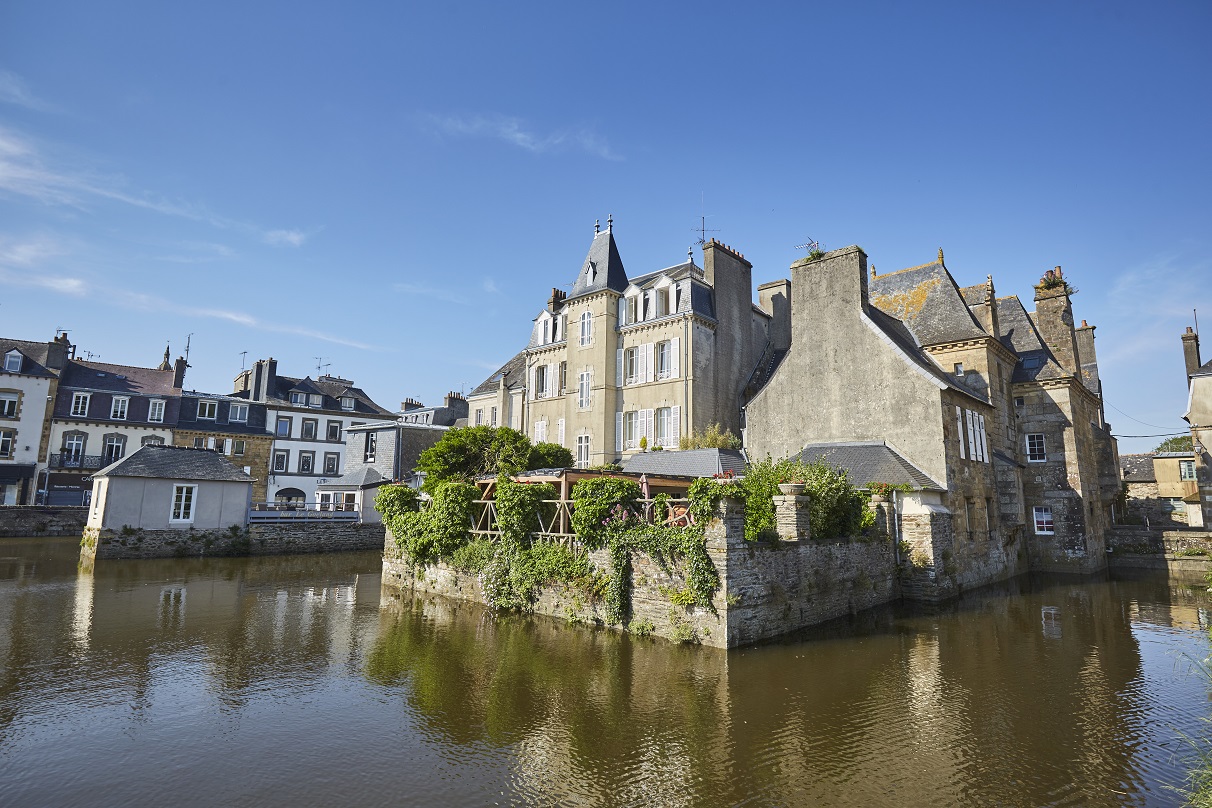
(13, 472)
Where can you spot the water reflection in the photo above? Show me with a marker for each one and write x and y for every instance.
(287, 679)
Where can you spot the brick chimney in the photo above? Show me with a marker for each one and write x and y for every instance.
(1191, 352)
(179, 372)
(1089, 359)
(410, 404)
(265, 377)
(58, 351)
(986, 314)
(1054, 319)
(553, 302)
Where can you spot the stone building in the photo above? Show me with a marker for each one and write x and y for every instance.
(376, 453)
(308, 420)
(233, 427)
(1199, 416)
(998, 409)
(29, 380)
(1161, 490)
(450, 412)
(104, 412)
(621, 362)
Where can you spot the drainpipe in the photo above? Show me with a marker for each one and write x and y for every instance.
(685, 375)
(896, 533)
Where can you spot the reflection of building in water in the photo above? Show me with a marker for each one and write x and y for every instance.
(1049, 616)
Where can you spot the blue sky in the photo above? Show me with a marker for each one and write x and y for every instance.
(396, 188)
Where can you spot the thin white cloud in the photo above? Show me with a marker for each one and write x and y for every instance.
(199, 252)
(490, 286)
(514, 131)
(24, 172)
(437, 293)
(13, 90)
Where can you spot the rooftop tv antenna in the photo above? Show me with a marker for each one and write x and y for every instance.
(811, 246)
(90, 356)
(702, 229)
(321, 366)
(243, 357)
(188, 337)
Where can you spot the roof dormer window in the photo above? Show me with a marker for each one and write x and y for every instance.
(315, 400)
(298, 399)
(12, 361)
(347, 402)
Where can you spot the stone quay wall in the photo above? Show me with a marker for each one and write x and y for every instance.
(766, 588)
(25, 521)
(255, 540)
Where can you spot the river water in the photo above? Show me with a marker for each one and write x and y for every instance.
(292, 681)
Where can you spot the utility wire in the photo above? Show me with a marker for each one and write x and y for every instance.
(1139, 421)
(1164, 435)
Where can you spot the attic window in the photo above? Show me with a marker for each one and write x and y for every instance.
(1019, 401)
(959, 368)
(1032, 362)
(12, 362)
(315, 400)
(347, 402)
(298, 398)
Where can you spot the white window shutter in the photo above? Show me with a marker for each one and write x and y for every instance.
(560, 431)
(530, 391)
(675, 352)
(590, 387)
(984, 441)
(641, 372)
(971, 434)
(622, 311)
(618, 431)
(619, 367)
(959, 424)
(650, 431)
(650, 361)
(551, 380)
(675, 423)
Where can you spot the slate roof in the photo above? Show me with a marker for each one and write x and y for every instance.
(365, 477)
(175, 463)
(928, 301)
(603, 267)
(1204, 370)
(869, 462)
(118, 378)
(1138, 468)
(35, 360)
(689, 463)
(331, 387)
(1019, 334)
(514, 372)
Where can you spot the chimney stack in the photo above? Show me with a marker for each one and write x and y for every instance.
(1054, 319)
(179, 372)
(1191, 352)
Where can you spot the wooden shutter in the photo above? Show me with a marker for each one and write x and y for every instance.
(618, 432)
(959, 424)
(560, 431)
(619, 367)
(650, 418)
(622, 311)
(971, 435)
(675, 423)
(675, 350)
(649, 361)
(984, 441)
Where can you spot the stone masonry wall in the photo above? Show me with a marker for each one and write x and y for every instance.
(25, 521)
(256, 540)
(767, 588)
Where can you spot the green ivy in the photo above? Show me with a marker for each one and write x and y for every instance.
(836, 508)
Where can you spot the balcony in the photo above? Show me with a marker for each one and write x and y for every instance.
(67, 460)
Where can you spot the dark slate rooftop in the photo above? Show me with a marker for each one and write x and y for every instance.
(1204, 370)
(118, 378)
(175, 463)
(35, 362)
(869, 462)
(928, 301)
(1035, 361)
(1138, 468)
(688, 463)
(514, 372)
(365, 477)
(330, 387)
(603, 268)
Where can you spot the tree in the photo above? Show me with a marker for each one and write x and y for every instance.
(715, 437)
(469, 452)
(549, 456)
(1182, 443)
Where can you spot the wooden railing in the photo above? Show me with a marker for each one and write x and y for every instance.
(555, 520)
(302, 512)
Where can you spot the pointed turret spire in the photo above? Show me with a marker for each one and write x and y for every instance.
(597, 226)
(165, 365)
(940, 255)
(609, 222)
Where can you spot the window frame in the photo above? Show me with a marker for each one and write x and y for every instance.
(584, 389)
(329, 431)
(181, 509)
(631, 428)
(479, 416)
(663, 416)
(586, 328)
(1036, 454)
(119, 408)
(371, 449)
(239, 447)
(1041, 516)
(304, 423)
(80, 404)
(298, 399)
(155, 411)
(664, 359)
(332, 463)
(631, 365)
(307, 459)
(7, 396)
(237, 413)
(284, 456)
(348, 403)
(492, 416)
(1186, 471)
(9, 365)
(8, 436)
(583, 458)
(208, 410)
(290, 425)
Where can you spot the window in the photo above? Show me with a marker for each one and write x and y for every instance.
(664, 357)
(8, 405)
(582, 451)
(238, 447)
(12, 362)
(199, 443)
(480, 417)
(583, 389)
(183, 503)
(662, 302)
(281, 460)
(631, 365)
(238, 414)
(283, 427)
(586, 328)
(633, 309)
(631, 430)
(492, 417)
(153, 440)
(332, 462)
(959, 368)
(347, 402)
(298, 399)
(664, 426)
(1043, 521)
(208, 410)
(117, 409)
(968, 520)
(1035, 448)
(1186, 469)
(546, 331)
(540, 431)
(115, 447)
(1033, 362)
(1019, 401)
(7, 438)
(563, 378)
(310, 427)
(220, 445)
(372, 443)
(80, 403)
(155, 412)
(540, 381)
(315, 400)
(307, 462)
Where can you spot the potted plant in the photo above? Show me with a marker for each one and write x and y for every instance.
(791, 486)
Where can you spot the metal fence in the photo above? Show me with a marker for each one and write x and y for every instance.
(262, 512)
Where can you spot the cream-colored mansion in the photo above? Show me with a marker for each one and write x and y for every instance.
(618, 360)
